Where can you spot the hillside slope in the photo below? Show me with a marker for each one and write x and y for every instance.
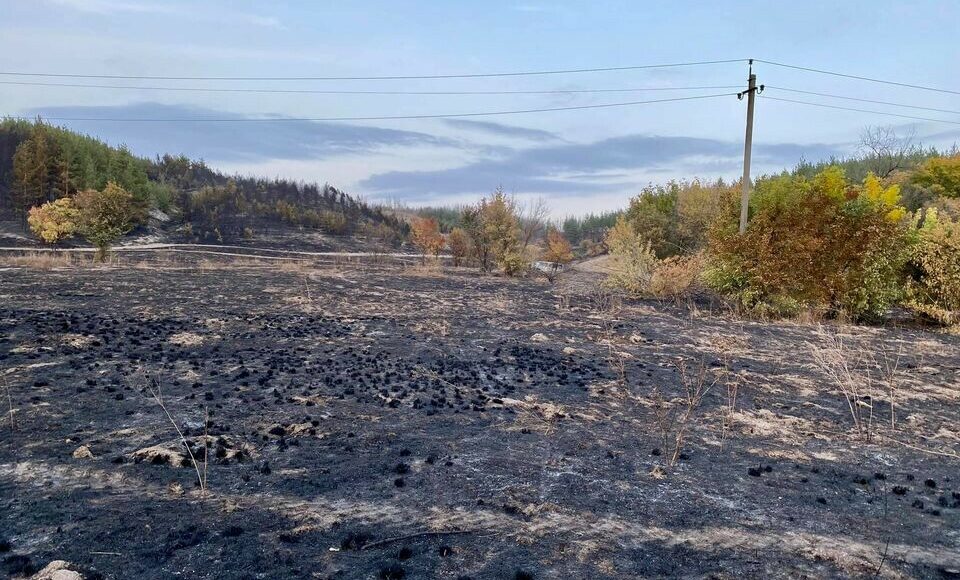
(187, 200)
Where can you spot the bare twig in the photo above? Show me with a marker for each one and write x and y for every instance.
(696, 386)
(890, 369)
(845, 368)
(306, 285)
(154, 389)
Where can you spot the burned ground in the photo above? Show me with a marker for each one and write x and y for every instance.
(389, 422)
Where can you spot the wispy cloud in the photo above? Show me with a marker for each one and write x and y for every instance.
(603, 166)
(231, 141)
(501, 130)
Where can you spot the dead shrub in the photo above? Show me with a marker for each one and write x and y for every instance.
(428, 269)
(864, 377)
(676, 276)
(845, 368)
(675, 417)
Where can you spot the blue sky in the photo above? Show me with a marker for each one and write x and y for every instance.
(580, 160)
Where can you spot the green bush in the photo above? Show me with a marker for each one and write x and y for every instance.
(104, 216)
(632, 258)
(675, 218)
(821, 243)
(514, 263)
(934, 288)
(161, 196)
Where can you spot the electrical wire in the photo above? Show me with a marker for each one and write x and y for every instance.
(863, 100)
(765, 97)
(375, 118)
(857, 77)
(376, 78)
(349, 92)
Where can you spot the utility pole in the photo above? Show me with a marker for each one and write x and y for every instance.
(745, 185)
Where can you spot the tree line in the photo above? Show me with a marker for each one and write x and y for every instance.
(851, 238)
(41, 163)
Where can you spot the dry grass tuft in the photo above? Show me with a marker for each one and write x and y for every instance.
(294, 266)
(428, 269)
(42, 260)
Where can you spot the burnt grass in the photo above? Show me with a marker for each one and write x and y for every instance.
(393, 422)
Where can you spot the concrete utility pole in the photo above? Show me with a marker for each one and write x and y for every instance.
(745, 185)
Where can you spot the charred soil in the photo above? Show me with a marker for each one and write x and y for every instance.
(390, 422)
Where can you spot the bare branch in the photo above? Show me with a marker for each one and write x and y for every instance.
(885, 150)
(533, 219)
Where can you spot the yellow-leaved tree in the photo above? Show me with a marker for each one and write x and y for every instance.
(941, 175)
(54, 221)
(493, 229)
(888, 197)
(502, 227)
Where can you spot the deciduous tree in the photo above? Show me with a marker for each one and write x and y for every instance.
(502, 228)
(459, 243)
(106, 215)
(425, 235)
(633, 258)
(532, 217)
(54, 221)
(558, 250)
(941, 175)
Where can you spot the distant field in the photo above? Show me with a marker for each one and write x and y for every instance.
(387, 420)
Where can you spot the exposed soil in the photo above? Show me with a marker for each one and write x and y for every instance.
(391, 422)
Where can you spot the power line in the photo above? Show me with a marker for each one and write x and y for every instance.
(376, 118)
(864, 100)
(765, 97)
(857, 77)
(347, 92)
(377, 78)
